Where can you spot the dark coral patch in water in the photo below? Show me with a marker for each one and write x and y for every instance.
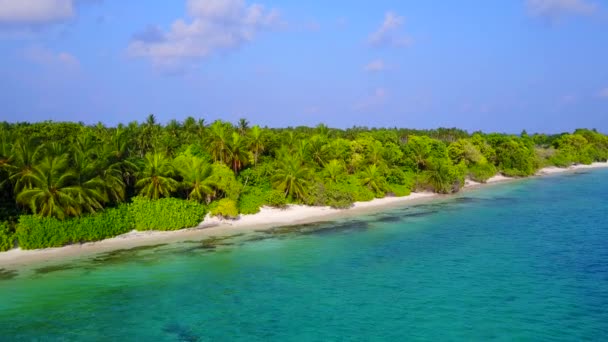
(467, 199)
(420, 213)
(217, 241)
(123, 255)
(389, 219)
(293, 229)
(54, 268)
(7, 274)
(339, 227)
(208, 245)
(182, 332)
(504, 200)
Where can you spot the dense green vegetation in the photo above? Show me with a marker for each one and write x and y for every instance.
(165, 213)
(7, 237)
(64, 183)
(35, 231)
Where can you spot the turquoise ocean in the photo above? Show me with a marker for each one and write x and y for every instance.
(525, 261)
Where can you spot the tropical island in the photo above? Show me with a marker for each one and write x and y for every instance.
(64, 183)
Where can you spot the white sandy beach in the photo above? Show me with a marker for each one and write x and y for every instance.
(265, 219)
(554, 169)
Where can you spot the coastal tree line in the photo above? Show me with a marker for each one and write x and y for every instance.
(63, 182)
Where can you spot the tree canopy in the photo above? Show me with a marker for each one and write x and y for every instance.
(64, 170)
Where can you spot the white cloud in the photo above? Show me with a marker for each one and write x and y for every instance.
(68, 59)
(20, 18)
(377, 98)
(213, 26)
(388, 33)
(375, 66)
(556, 8)
(48, 57)
(603, 93)
(35, 11)
(313, 26)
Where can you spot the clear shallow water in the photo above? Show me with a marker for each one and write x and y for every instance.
(520, 261)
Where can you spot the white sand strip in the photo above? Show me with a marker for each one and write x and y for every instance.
(553, 169)
(213, 227)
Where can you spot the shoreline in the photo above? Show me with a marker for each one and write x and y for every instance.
(267, 218)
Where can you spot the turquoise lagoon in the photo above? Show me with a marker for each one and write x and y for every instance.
(523, 261)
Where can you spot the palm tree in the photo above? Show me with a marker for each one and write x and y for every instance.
(256, 142)
(5, 153)
(374, 153)
(316, 149)
(291, 176)
(333, 170)
(55, 148)
(155, 180)
(236, 152)
(148, 135)
(112, 180)
(217, 141)
(196, 174)
(440, 176)
(151, 120)
(200, 128)
(172, 136)
(115, 153)
(374, 179)
(243, 126)
(190, 129)
(51, 191)
(290, 140)
(91, 188)
(322, 129)
(22, 162)
(420, 148)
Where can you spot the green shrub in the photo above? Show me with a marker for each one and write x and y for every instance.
(165, 213)
(443, 176)
(7, 237)
(225, 181)
(258, 177)
(398, 190)
(252, 200)
(334, 195)
(360, 193)
(42, 232)
(339, 198)
(276, 199)
(561, 159)
(226, 208)
(516, 159)
(482, 172)
(598, 154)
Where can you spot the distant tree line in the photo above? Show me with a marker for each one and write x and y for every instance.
(56, 178)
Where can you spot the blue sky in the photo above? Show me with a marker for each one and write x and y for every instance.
(540, 65)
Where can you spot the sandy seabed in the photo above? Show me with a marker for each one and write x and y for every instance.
(267, 218)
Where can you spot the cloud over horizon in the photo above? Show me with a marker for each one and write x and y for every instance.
(375, 99)
(388, 34)
(44, 56)
(19, 13)
(376, 65)
(213, 26)
(35, 11)
(553, 9)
